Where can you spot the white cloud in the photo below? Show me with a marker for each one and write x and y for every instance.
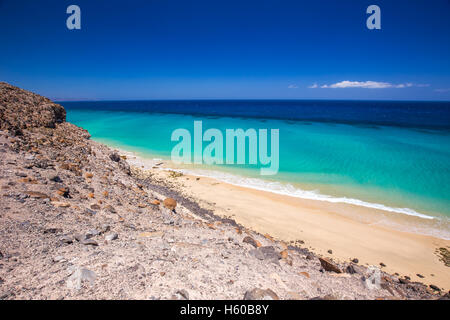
(406, 85)
(313, 86)
(359, 84)
(292, 86)
(370, 85)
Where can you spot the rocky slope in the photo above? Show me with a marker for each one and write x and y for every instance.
(20, 110)
(76, 222)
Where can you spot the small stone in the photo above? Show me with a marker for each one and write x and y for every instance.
(252, 241)
(67, 239)
(181, 295)
(270, 252)
(88, 175)
(284, 254)
(92, 233)
(309, 257)
(105, 228)
(55, 178)
(328, 265)
(170, 203)
(52, 230)
(89, 242)
(330, 251)
(420, 276)
(266, 253)
(90, 212)
(80, 237)
(211, 226)
(260, 294)
(64, 192)
(268, 237)
(350, 269)
(434, 287)
(155, 202)
(60, 204)
(382, 264)
(355, 260)
(95, 206)
(151, 234)
(38, 195)
(114, 157)
(110, 208)
(304, 273)
(59, 259)
(111, 236)
(257, 254)
(21, 174)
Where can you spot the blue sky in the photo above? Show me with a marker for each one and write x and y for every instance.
(166, 49)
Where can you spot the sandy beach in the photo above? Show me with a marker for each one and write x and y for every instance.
(349, 231)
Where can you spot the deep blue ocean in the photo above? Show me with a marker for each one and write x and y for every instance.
(412, 114)
(390, 155)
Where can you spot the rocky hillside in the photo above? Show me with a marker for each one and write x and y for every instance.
(78, 223)
(21, 109)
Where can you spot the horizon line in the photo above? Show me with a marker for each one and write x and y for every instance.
(246, 99)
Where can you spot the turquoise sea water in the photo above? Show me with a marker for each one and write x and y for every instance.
(405, 170)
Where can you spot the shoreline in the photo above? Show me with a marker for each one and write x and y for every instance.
(315, 224)
(79, 222)
(283, 187)
(397, 218)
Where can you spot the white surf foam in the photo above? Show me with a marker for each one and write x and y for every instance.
(290, 190)
(269, 186)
